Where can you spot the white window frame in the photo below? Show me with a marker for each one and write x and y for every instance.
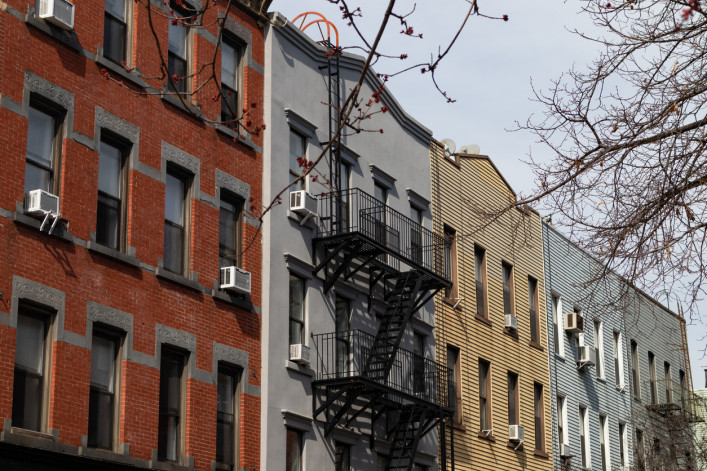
(560, 321)
(599, 345)
(604, 434)
(619, 353)
(562, 415)
(623, 436)
(584, 423)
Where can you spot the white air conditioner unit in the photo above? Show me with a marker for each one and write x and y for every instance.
(565, 450)
(516, 433)
(511, 321)
(574, 323)
(299, 354)
(40, 202)
(586, 356)
(57, 12)
(235, 279)
(303, 203)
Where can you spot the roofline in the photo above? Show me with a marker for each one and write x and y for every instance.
(620, 277)
(354, 62)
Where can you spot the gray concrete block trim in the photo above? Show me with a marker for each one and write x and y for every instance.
(297, 421)
(38, 293)
(40, 87)
(234, 185)
(123, 321)
(166, 335)
(384, 178)
(237, 358)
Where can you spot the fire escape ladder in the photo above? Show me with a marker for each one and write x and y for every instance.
(406, 436)
(401, 301)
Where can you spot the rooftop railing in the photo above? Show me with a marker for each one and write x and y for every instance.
(349, 355)
(356, 212)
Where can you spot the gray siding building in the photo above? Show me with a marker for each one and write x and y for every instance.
(619, 379)
(328, 279)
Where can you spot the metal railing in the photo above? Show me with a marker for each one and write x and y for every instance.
(355, 211)
(347, 355)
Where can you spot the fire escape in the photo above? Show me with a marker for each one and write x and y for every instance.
(402, 395)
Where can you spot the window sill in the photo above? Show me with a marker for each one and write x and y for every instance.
(32, 433)
(459, 426)
(483, 319)
(512, 333)
(179, 279)
(172, 465)
(305, 370)
(117, 69)
(489, 438)
(513, 445)
(560, 357)
(235, 136)
(453, 302)
(68, 38)
(541, 454)
(298, 219)
(94, 246)
(239, 300)
(109, 455)
(187, 107)
(61, 230)
(601, 379)
(536, 345)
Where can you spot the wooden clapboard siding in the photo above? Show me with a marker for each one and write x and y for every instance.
(459, 192)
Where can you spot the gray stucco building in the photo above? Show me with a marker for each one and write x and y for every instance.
(332, 281)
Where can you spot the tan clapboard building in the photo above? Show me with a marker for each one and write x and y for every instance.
(491, 327)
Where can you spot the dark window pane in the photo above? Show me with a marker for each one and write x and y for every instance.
(175, 193)
(171, 368)
(229, 104)
(225, 420)
(532, 302)
(108, 221)
(100, 419)
(116, 8)
(293, 451)
(114, 39)
(27, 400)
(173, 248)
(110, 164)
(230, 232)
(296, 306)
(177, 68)
(40, 137)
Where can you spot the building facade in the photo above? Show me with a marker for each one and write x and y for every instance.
(589, 367)
(350, 380)
(490, 328)
(122, 198)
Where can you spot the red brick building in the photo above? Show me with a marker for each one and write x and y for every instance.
(118, 347)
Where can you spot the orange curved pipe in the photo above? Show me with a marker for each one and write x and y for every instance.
(321, 19)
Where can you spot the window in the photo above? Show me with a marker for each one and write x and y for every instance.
(342, 457)
(110, 214)
(623, 444)
(29, 394)
(230, 230)
(380, 216)
(296, 310)
(230, 66)
(635, 371)
(115, 31)
(604, 443)
(640, 449)
(480, 276)
(418, 368)
(43, 150)
(599, 347)
(416, 235)
(668, 383)
(557, 325)
(343, 336)
(585, 451)
(533, 308)
(513, 399)
(227, 416)
(618, 360)
(508, 298)
(293, 450)
(102, 406)
(176, 244)
(654, 378)
(562, 420)
(170, 431)
(344, 186)
(178, 48)
(298, 152)
(450, 262)
(485, 395)
(683, 389)
(455, 384)
(539, 411)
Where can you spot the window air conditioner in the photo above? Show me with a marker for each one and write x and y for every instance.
(40, 202)
(511, 321)
(58, 12)
(235, 279)
(565, 450)
(574, 323)
(586, 355)
(299, 354)
(516, 433)
(303, 203)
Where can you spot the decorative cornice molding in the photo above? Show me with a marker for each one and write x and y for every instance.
(181, 158)
(36, 84)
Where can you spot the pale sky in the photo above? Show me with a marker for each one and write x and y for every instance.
(488, 73)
